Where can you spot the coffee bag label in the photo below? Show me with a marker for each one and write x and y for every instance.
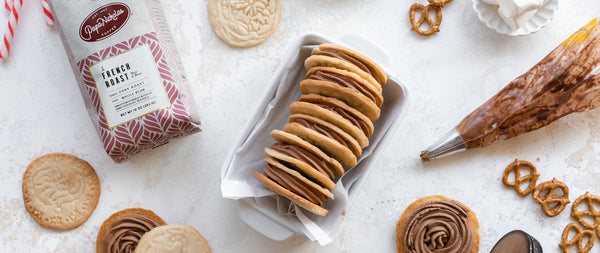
(129, 86)
(104, 22)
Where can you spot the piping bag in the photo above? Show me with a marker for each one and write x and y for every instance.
(567, 80)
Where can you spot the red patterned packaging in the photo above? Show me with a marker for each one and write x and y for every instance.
(128, 71)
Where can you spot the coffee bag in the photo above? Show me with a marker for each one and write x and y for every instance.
(128, 71)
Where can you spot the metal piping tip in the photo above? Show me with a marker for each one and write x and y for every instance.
(450, 143)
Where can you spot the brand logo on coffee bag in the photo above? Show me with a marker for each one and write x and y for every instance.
(104, 22)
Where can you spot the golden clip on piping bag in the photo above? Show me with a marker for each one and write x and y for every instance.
(567, 80)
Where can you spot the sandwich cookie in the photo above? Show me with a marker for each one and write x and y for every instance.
(345, 86)
(337, 113)
(123, 230)
(173, 238)
(347, 95)
(295, 158)
(287, 138)
(345, 58)
(329, 145)
(346, 79)
(437, 224)
(294, 186)
(60, 191)
(327, 129)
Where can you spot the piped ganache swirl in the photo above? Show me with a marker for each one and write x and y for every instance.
(125, 233)
(439, 226)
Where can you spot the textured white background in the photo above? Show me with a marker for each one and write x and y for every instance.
(449, 75)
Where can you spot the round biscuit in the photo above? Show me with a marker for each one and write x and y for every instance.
(173, 238)
(302, 202)
(379, 72)
(244, 23)
(349, 96)
(311, 109)
(299, 176)
(107, 224)
(371, 88)
(339, 152)
(287, 138)
(402, 222)
(60, 191)
(303, 167)
(318, 99)
(352, 143)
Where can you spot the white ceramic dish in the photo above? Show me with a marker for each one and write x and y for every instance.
(271, 215)
(488, 14)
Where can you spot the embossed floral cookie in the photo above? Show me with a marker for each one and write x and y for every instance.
(173, 238)
(244, 23)
(60, 191)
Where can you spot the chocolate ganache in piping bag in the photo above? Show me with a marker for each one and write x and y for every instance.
(567, 80)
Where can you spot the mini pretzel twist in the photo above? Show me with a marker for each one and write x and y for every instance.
(440, 3)
(416, 25)
(591, 211)
(516, 167)
(577, 239)
(549, 198)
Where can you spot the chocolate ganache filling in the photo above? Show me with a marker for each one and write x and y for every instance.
(294, 185)
(125, 233)
(344, 81)
(323, 130)
(439, 226)
(305, 156)
(356, 62)
(345, 114)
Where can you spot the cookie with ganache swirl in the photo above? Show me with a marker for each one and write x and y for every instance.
(437, 224)
(123, 230)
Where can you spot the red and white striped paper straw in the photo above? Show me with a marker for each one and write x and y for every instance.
(9, 33)
(14, 6)
(45, 8)
(8, 5)
(47, 15)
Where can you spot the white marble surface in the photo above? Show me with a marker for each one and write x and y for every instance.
(449, 75)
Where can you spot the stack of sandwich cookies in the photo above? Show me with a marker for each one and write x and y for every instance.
(328, 126)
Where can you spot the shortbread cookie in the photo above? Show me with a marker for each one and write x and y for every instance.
(437, 224)
(282, 153)
(122, 231)
(244, 23)
(60, 191)
(331, 147)
(327, 129)
(294, 186)
(173, 238)
(337, 113)
(345, 58)
(287, 138)
(349, 96)
(347, 79)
